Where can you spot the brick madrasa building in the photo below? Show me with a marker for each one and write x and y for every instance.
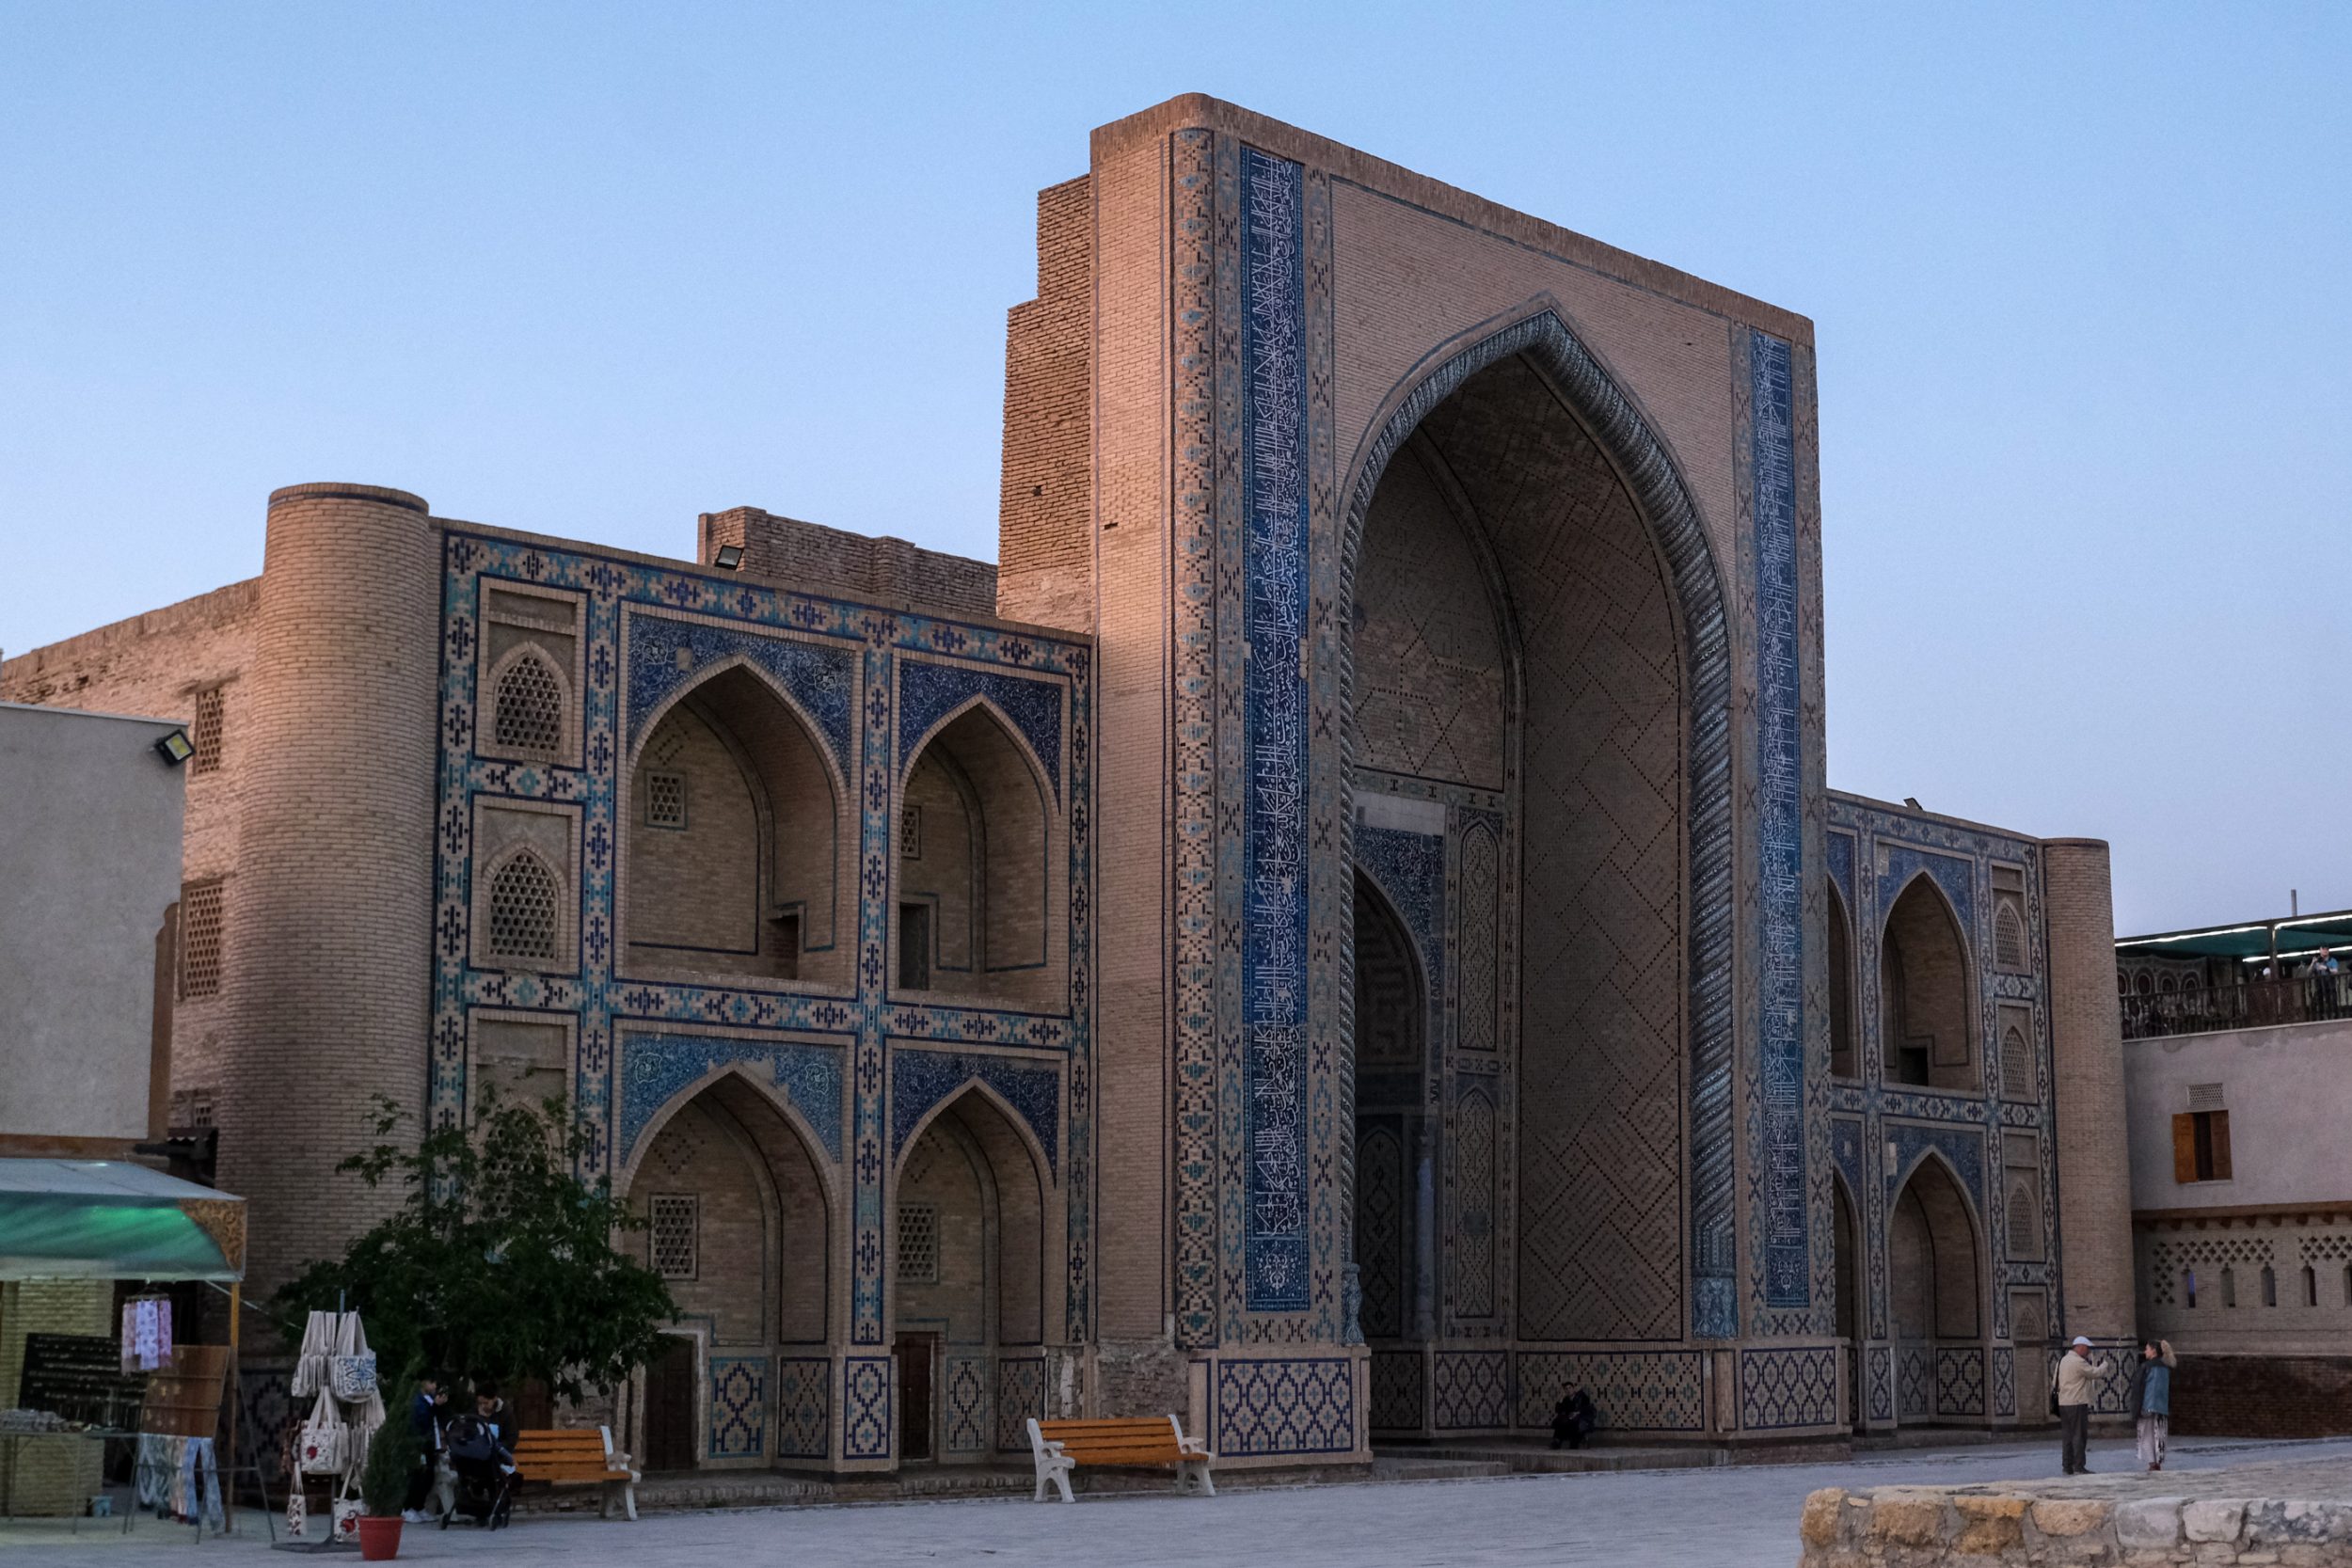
(1341, 934)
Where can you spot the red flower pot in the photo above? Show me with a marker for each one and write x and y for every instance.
(379, 1539)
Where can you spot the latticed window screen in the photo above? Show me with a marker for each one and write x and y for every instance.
(2008, 937)
(205, 737)
(523, 900)
(202, 937)
(2017, 1080)
(676, 1231)
(918, 1243)
(665, 799)
(910, 832)
(530, 707)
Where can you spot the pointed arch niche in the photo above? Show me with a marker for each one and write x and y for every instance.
(739, 1222)
(1927, 998)
(735, 859)
(980, 895)
(971, 1275)
(1936, 1296)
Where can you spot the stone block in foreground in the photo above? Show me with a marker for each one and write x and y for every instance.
(2287, 1514)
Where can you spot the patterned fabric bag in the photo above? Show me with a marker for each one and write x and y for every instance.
(351, 1371)
(326, 1448)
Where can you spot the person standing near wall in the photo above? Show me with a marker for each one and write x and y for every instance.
(2152, 1399)
(2076, 1382)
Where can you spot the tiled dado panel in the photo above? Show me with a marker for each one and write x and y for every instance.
(1269, 1408)
(739, 1406)
(649, 630)
(1632, 1390)
(803, 1406)
(1792, 1387)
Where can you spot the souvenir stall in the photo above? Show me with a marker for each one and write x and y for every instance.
(70, 1231)
(336, 1371)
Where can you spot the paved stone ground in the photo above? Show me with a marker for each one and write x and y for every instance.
(1728, 1517)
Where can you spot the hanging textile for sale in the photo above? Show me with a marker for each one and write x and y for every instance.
(179, 1477)
(146, 1333)
(318, 1343)
(351, 1374)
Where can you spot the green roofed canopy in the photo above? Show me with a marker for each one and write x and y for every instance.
(2297, 937)
(109, 1219)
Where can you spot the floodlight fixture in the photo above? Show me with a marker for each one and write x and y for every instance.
(175, 747)
(727, 557)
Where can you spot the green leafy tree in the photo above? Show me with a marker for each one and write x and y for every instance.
(500, 1261)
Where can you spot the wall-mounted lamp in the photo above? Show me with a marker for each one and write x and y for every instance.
(727, 557)
(175, 747)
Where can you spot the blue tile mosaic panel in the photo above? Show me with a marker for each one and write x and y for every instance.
(1780, 830)
(967, 1404)
(658, 1068)
(1285, 1407)
(1020, 1398)
(1632, 1390)
(667, 654)
(1410, 869)
(921, 1079)
(739, 1406)
(1273, 954)
(1474, 1389)
(866, 1432)
(1794, 1387)
(928, 693)
(803, 1405)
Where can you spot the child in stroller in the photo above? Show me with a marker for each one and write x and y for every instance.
(481, 1457)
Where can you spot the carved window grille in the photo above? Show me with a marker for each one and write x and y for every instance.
(524, 901)
(202, 937)
(910, 832)
(2009, 938)
(677, 1230)
(2025, 1221)
(530, 707)
(2017, 1075)
(205, 737)
(665, 801)
(918, 1243)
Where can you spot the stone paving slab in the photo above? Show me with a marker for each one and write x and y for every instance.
(1727, 1517)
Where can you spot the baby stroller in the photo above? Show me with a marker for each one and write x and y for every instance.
(485, 1479)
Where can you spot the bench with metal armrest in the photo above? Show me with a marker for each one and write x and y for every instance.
(1059, 1446)
(578, 1456)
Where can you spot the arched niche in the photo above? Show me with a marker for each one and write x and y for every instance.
(969, 1263)
(734, 856)
(1927, 993)
(738, 1222)
(976, 887)
(1935, 1290)
(1844, 1061)
(1614, 688)
(1395, 1137)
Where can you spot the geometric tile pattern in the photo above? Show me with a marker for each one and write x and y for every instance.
(1795, 1387)
(1480, 880)
(1472, 1269)
(1396, 1390)
(1633, 1390)
(802, 1402)
(2004, 1380)
(1960, 1381)
(866, 1429)
(967, 1404)
(929, 692)
(1020, 1398)
(1274, 942)
(656, 1067)
(1915, 1376)
(1780, 854)
(1285, 1407)
(1474, 1389)
(739, 1406)
(921, 1079)
(648, 631)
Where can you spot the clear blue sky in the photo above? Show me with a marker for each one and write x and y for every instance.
(2079, 275)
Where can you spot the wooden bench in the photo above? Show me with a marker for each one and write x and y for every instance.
(1059, 1446)
(578, 1456)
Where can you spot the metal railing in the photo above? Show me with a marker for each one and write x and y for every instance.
(2256, 1004)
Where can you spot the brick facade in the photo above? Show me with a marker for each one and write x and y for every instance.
(1355, 532)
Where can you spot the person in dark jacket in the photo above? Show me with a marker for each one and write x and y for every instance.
(500, 1416)
(427, 1413)
(1573, 1420)
(2152, 1399)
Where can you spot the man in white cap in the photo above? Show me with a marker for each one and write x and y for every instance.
(2076, 1383)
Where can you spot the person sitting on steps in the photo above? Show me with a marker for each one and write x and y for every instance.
(1573, 1418)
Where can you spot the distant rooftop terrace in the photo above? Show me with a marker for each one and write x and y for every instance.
(2296, 969)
